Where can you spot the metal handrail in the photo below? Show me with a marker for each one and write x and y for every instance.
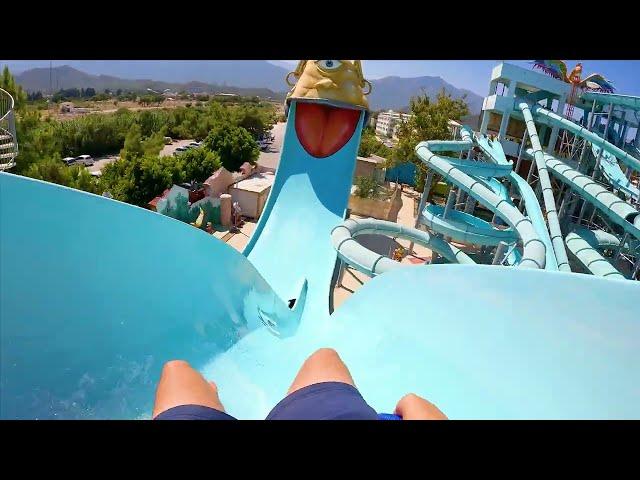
(8, 150)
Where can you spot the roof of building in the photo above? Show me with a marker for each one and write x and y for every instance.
(258, 182)
(154, 203)
(376, 159)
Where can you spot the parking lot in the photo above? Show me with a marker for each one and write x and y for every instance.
(168, 150)
(269, 157)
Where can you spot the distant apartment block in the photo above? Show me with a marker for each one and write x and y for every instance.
(389, 121)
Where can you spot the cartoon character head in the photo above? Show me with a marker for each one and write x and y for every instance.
(337, 81)
(330, 96)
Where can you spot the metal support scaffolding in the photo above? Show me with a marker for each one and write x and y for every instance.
(606, 129)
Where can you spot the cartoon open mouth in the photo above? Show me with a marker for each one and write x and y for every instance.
(324, 129)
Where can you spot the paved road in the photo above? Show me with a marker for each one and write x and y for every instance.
(100, 162)
(271, 157)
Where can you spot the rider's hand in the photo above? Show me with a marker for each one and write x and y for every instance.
(413, 407)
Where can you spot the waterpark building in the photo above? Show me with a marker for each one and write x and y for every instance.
(502, 118)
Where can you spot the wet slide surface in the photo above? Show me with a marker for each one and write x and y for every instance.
(97, 294)
(514, 348)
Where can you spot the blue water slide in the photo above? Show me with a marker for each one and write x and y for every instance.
(291, 244)
(614, 175)
(509, 347)
(464, 227)
(494, 152)
(356, 255)
(489, 191)
(97, 294)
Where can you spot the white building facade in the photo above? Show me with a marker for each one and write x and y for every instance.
(389, 121)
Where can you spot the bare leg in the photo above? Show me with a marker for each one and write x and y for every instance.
(323, 365)
(182, 385)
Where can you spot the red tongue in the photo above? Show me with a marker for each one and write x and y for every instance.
(322, 129)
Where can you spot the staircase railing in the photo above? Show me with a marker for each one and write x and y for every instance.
(8, 138)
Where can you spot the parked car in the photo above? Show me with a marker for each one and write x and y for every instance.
(68, 161)
(168, 140)
(194, 144)
(178, 151)
(86, 160)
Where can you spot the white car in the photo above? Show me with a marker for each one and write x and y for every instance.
(68, 161)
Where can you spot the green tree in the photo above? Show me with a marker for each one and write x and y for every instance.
(53, 170)
(199, 163)
(235, 145)
(132, 144)
(256, 121)
(8, 83)
(369, 145)
(39, 140)
(138, 136)
(429, 121)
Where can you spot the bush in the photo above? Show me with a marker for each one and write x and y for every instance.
(367, 187)
(54, 171)
(235, 145)
(370, 145)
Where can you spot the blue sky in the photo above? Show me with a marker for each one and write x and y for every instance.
(474, 74)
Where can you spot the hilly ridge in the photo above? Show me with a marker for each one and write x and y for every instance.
(242, 77)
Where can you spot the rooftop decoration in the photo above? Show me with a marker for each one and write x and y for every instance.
(558, 69)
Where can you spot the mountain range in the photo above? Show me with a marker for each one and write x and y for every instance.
(67, 77)
(247, 77)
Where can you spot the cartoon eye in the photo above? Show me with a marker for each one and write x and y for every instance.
(329, 64)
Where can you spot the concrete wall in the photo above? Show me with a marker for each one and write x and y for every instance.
(368, 167)
(381, 209)
(251, 203)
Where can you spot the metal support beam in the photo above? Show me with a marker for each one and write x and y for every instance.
(606, 129)
(499, 255)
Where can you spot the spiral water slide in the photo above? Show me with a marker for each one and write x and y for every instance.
(619, 212)
(481, 181)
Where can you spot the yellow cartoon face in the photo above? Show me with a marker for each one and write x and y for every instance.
(340, 81)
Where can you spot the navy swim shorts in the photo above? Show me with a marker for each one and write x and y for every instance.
(320, 401)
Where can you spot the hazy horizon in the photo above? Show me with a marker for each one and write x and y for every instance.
(472, 75)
